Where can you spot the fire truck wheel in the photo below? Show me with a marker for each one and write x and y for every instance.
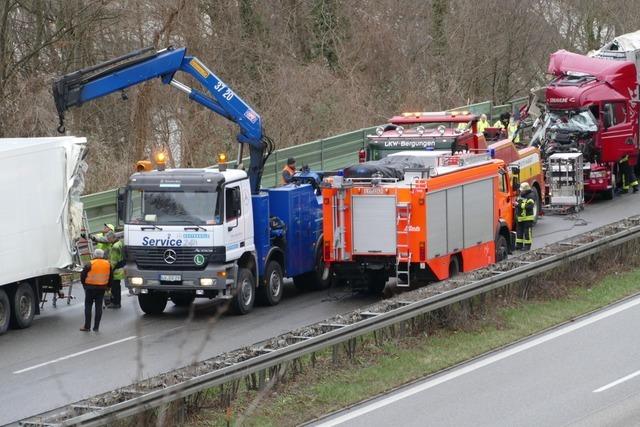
(376, 281)
(153, 302)
(5, 311)
(24, 306)
(502, 249)
(454, 266)
(270, 291)
(246, 292)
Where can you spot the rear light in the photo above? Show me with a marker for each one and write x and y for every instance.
(362, 156)
(327, 250)
(423, 252)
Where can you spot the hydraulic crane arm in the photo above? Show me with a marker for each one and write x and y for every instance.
(139, 66)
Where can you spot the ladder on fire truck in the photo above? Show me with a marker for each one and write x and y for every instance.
(403, 251)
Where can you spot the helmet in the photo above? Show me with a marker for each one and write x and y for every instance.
(110, 227)
(525, 186)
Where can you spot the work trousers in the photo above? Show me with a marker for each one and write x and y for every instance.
(115, 292)
(524, 235)
(628, 177)
(93, 295)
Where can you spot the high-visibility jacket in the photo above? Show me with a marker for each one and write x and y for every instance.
(511, 131)
(482, 125)
(498, 124)
(116, 258)
(525, 207)
(287, 173)
(99, 273)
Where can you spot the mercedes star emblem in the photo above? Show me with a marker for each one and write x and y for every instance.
(170, 256)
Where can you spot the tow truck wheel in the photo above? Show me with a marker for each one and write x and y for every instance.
(24, 306)
(182, 300)
(246, 292)
(5, 311)
(376, 281)
(270, 291)
(153, 302)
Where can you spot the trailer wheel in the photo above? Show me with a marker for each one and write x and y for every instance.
(23, 306)
(318, 279)
(245, 293)
(153, 302)
(182, 300)
(454, 266)
(270, 292)
(5, 311)
(502, 249)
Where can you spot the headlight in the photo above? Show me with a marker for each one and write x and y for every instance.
(441, 129)
(206, 282)
(420, 130)
(379, 130)
(400, 130)
(136, 281)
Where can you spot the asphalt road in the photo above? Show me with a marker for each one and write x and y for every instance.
(52, 363)
(586, 373)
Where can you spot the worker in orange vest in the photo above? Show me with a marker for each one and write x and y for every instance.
(95, 278)
(288, 170)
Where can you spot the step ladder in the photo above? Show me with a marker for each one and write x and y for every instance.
(403, 253)
(86, 243)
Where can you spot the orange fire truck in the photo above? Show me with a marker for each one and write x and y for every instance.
(431, 224)
(452, 131)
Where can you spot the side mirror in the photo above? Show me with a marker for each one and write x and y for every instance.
(121, 204)
(515, 182)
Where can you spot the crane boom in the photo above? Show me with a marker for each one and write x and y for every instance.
(115, 75)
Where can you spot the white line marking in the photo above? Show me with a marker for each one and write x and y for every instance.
(355, 413)
(616, 382)
(80, 353)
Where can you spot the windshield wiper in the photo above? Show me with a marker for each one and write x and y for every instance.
(150, 227)
(195, 226)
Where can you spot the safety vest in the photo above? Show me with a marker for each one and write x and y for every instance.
(624, 159)
(289, 169)
(482, 125)
(99, 273)
(116, 254)
(498, 124)
(511, 131)
(524, 209)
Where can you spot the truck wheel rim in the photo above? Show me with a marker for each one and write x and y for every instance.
(3, 314)
(246, 292)
(25, 307)
(275, 283)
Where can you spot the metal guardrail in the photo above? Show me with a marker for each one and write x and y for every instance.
(323, 154)
(551, 257)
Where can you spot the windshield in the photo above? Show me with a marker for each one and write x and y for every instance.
(164, 207)
(582, 121)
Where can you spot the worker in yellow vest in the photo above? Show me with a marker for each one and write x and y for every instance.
(483, 123)
(95, 278)
(512, 130)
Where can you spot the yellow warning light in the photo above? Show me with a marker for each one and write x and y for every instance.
(161, 157)
(144, 166)
(222, 157)
(222, 162)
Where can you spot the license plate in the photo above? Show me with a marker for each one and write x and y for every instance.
(171, 277)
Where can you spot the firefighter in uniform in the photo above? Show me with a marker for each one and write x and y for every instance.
(628, 176)
(95, 278)
(288, 170)
(524, 217)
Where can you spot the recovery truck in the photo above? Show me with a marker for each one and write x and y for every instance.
(208, 232)
(40, 220)
(592, 108)
(429, 225)
(457, 131)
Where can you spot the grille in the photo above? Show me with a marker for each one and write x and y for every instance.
(148, 258)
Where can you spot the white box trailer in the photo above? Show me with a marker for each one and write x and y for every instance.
(41, 180)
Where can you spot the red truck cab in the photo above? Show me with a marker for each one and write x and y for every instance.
(592, 107)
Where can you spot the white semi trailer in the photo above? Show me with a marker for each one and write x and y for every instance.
(41, 215)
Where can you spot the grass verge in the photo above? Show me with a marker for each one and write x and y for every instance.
(323, 385)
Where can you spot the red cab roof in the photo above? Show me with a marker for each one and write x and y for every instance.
(619, 74)
(433, 117)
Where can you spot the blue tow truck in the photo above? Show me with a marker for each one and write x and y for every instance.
(209, 232)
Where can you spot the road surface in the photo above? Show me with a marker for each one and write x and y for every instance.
(52, 363)
(586, 373)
